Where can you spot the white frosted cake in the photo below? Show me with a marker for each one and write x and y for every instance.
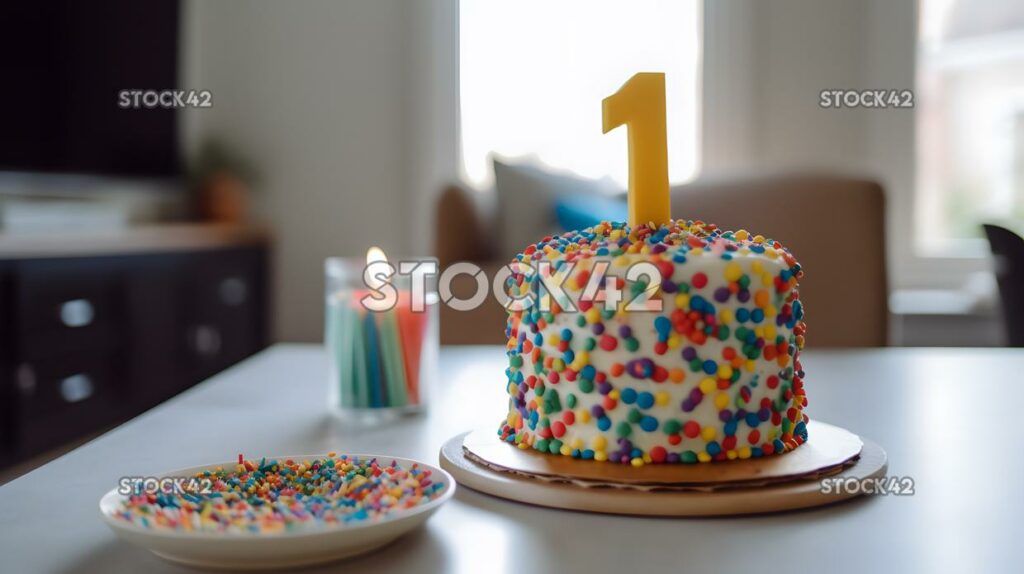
(714, 375)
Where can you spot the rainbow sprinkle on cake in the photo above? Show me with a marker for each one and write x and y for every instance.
(713, 375)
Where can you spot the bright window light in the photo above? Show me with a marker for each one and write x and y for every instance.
(533, 74)
(970, 123)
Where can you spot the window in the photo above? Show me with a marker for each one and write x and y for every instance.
(970, 122)
(533, 74)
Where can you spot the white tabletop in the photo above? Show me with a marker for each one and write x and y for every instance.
(950, 419)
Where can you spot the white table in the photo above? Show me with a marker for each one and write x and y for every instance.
(950, 419)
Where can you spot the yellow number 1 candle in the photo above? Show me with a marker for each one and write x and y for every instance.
(640, 106)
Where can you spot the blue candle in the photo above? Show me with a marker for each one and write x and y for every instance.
(377, 398)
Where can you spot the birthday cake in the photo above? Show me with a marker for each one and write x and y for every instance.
(714, 374)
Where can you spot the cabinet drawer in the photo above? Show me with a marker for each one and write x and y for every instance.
(225, 310)
(67, 306)
(61, 400)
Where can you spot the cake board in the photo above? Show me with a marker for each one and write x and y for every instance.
(479, 460)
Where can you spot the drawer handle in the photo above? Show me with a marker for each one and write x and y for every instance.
(206, 340)
(25, 379)
(77, 313)
(233, 291)
(76, 388)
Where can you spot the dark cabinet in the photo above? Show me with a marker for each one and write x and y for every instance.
(86, 342)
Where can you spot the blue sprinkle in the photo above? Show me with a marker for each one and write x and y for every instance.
(628, 396)
(649, 424)
(644, 400)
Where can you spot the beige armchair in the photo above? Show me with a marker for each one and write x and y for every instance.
(835, 226)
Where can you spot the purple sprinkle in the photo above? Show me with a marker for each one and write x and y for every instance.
(604, 388)
(597, 411)
(625, 332)
(597, 328)
(672, 458)
(722, 294)
(689, 353)
(724, 415)
(687, 405)
(743, 295)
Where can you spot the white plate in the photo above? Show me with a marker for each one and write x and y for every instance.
(277, 550)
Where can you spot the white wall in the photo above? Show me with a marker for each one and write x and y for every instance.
(318, 96)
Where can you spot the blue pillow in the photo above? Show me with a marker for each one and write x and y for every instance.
(579, 211)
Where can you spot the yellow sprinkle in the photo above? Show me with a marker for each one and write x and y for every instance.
(721, 400)
(662, 398)
(733, 272)
(582, 360)
(708, 385)
(577, 443)
(730, 454)
(742, 235)
(583, 416)
(566, 450)
(600, 456)
(726, 316)
(759, 239)
(708, 433)
(614, 394)
(599, 443)
(757, 267)
(724, 371)
(682, 301)
(703, 456)
(745, 452)
(637, 462)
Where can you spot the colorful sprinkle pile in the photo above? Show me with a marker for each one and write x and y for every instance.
(715, 375)
(278, 496)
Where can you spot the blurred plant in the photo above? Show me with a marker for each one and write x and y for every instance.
(213, 158)
(221, 181)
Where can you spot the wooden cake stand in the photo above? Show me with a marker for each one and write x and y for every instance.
(479, 460)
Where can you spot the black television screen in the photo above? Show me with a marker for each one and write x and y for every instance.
(65, 62)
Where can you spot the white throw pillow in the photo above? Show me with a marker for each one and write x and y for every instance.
(527, 195)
